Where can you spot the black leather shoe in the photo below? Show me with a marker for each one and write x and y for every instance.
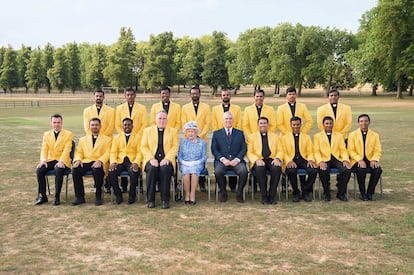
(41, 200)
(223, 197)
(327, 197)
(131, 200)
(56, 202)
(151, 204)
(296, 198)
(202, 187)
(341, 197)
(165, 205)
(370, 197)
(307, 197)
(98, 202)
(78, 201)
(363, 197)
(193, 202)
(240, 199)
(119, 199)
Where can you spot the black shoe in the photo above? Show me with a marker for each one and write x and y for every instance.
(307, 197)
(223, 197)
(202, 186)
(341, 197)
(363, 197)
(98, 202)
(327, 197)
(165, 204)
(119, 199)
(78, 201)
(151, 204)
(131, 200)
(56, 202)
(370, 197)
(41, 200)
(193, 202)
(239, 198)
(265, 201)
(296, 198)
(187, 202)
(233, 190)
(272, 202)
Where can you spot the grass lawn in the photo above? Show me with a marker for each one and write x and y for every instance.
(317, 237)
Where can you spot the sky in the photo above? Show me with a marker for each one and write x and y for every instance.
(35, 23)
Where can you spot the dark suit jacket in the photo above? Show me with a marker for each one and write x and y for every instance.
(221, 147)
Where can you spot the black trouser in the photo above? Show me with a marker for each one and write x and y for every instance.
(260, 174)
(361, 174)
(113, 178)
(41, 178)
(343, 177)
(307, 184)
(98, 177)
(164, 174)
(240, 169)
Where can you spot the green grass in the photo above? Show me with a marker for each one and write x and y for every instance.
(354, 237)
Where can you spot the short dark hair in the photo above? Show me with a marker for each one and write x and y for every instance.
(99, 91)
(165, 88)
(364, 115)
(259, 91)
(129, 89)
(264, 118)
(296, 118)
(332, 91)
(127, 119)
(327, 118)
(56, 116)
(291, 90)
(95, 119)
(195, 88)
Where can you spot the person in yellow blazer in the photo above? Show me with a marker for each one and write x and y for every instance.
(54, 155)
(173, 110)
(290, 109)
(364, 149)
(330, 152)
(256, 110)
(133, 110)
(298, 154)
(92, 153)
(125, 155)
(341, 114)
(264, 152)
(102, 111)
(225, 106)
(159, 147)
(201, 117)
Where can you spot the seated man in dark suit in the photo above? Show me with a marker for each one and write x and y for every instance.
(229, 147)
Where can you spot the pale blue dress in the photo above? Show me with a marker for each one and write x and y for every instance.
(192, 156)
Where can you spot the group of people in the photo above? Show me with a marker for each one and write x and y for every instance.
(157, 149)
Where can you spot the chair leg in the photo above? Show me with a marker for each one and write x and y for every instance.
(209, 186)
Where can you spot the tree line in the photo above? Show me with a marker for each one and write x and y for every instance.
(381, 53)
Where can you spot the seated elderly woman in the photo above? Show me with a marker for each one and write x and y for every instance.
(192, 156)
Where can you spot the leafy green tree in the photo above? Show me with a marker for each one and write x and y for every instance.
(23, 59)
(140, 60)
(47, 63)
(57, 74)
(9, 76)
(85, 57)
(183, 46)
(95, 68)
(159, 67)
(35, 73)
(192, 67)
(73, 77)
(214, 65)
(121, 59)
(2, 51)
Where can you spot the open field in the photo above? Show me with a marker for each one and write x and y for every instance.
(317, 237)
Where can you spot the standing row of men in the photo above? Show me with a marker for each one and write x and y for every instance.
(123, 155)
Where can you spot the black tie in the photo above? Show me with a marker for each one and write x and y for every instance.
(259, 110)
(130, 110)
(196, 108)
(98, 109)
(364, 138)
(166, 107)
(334, 106)
(127, 138)
(93, 140)
(56, 135)
(329, 137)
(265, 146)
(292, 108)
(228, 136)
(226, 108)
(160, 154)
(297, 153)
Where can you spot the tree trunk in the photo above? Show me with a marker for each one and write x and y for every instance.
(178, 90)
(329, 82)
(410, 92)
(214, 90)
(300, 89)
(374, 90)
(399, 92)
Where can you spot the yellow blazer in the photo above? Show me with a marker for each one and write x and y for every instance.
(120, 149)
(58, 149)
(217, 117)
(138, 115)
(149, 144)
(254, 147)
(174, 115)
(323, 151)
(343, 121)
(85, 152)
(250, 119)
(305, 147)
(202, 118)
(106, 115)
(283, 116)
(356, 146)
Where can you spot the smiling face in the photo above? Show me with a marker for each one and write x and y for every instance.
(225, 97)
(295, 125)
(130, 97)
(99, 98)
(161, 120)
(259, 98)
(228, 120)
(195, 95)
(333, 97)
(57, 124)
(328, 125)
(291, 97)
(363, 123)
(165, 96)
(127, 125)
(95, 126)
